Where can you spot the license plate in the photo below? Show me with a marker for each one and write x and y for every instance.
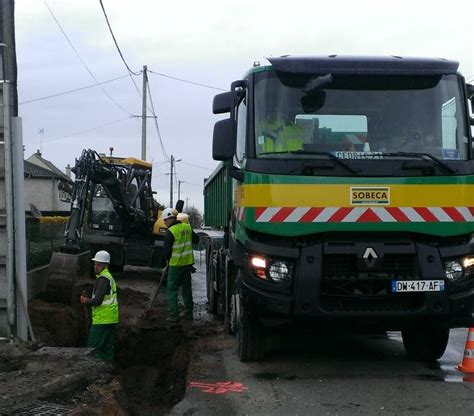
(417, 286)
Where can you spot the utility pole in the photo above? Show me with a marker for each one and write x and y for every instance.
(145, 81)
(171, 181)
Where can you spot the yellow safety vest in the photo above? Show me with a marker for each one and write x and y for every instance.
(182, 252)
(107, 312)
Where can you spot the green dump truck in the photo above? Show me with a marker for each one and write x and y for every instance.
(346, 197)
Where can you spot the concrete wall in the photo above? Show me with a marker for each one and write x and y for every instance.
(4, 326)
(44, 194)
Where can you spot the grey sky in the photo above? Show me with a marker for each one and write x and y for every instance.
(209, 42)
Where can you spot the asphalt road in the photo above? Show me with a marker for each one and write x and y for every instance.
(347, 374)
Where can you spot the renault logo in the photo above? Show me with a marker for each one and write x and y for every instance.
(370, 257)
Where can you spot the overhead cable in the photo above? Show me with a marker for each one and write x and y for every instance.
(115, 41)
(197, 166)
(86, 130)
(82, 61)
(187, 81)
(47, 97)
(155, 119)
(130, 72)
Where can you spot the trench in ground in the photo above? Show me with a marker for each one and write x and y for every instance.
(152, 356)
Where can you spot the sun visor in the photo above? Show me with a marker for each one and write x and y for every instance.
(335, 64)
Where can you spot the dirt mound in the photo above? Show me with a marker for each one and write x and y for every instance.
(56, 324)
(129, 297)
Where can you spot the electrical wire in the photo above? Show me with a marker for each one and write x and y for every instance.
(155, 119)
(130, 72)
(197, 166)
(47, 97)
(82, 60)
(115, 41)
(187, 81)
(86, 130)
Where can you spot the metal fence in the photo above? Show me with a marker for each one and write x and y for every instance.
(42, 238)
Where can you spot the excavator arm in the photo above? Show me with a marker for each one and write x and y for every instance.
(116, 180)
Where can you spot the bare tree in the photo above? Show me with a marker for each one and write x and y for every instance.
(195, 217)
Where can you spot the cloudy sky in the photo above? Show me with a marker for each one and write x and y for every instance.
(206, 42)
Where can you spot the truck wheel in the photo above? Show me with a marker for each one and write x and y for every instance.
(250, 339)
(427, 343)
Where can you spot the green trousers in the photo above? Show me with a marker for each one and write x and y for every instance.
(101, 338)
(179, 276)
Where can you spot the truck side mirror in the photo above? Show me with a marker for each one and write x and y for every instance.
(222, 103)
(223, 141)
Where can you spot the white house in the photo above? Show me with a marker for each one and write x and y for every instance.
(47, 188)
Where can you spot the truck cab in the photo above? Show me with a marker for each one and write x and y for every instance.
(346, 197)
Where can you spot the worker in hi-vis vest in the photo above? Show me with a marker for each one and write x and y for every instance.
(105, 311)
(178, 251)
(279, 134)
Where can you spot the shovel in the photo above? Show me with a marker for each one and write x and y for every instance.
(155, 293)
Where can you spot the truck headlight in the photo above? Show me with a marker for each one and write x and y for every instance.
(280, 271)
(468, 265)
(276, 271)
(259, 265)
(457, 269)
(453, 270)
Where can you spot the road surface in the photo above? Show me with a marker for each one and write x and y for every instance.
(347, 374)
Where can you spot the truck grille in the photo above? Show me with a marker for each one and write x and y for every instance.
(347, 288)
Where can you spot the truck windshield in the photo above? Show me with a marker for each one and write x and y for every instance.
(359, 116)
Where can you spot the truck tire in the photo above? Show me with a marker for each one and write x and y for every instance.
(250, 337)
(425, 344)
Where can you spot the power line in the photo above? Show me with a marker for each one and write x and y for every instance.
(194, 184)
(155, 119)
(130, 72)
(115, 41)
(71, 91)
(86, 130)
(187, 81)
(197, 166)
(82, 61)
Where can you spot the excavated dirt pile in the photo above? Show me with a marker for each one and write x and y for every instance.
(153, 357)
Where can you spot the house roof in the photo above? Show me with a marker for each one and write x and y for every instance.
(34, 171)
(50, 167)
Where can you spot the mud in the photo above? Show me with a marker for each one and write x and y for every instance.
(153, 357)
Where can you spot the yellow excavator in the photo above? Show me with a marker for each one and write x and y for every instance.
(112, 209)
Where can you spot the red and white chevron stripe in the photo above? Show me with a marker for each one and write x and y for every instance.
(239, 213)
(364, 214)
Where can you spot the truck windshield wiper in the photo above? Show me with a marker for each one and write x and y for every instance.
(329, 154)
(439, 162)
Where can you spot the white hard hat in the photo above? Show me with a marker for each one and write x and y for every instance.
(102, 257)
(169, 213)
